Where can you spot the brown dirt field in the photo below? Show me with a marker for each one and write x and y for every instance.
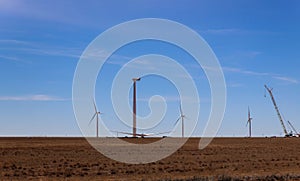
(223, 159)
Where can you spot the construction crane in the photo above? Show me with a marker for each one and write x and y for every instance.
(293, 128)
(278, 113)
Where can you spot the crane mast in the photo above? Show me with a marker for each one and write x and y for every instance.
(277, 110)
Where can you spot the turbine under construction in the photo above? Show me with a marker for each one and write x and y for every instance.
(278, 112)
(134, 107)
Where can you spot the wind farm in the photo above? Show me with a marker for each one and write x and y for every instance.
(225, 158)
(149, 90)
(181, 119)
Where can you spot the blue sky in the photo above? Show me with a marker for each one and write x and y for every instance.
(256, 42)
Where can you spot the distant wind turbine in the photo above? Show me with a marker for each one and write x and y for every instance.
(249, 122)
(182, 116)
(97, 113)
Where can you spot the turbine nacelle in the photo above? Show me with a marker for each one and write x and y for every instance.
(136, 79)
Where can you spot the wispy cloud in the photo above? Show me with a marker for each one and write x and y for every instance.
(8, 5)
(54, 11)
(239, 55)
(286, 79)
(14, 59)
(29, 9)
(227, 31)
(10, 58)
(13, 41)
(146, 64)
(166, 98)
(37, 97)
(172, 98)
(253, 73)
(36, 48)
(222, 31)
(234, 85)
(114, 59)
(247, 72)
(63, 52)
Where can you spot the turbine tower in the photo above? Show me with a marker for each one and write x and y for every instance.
(97, 113)
(134, 106)
(182, 116)
(249, 122)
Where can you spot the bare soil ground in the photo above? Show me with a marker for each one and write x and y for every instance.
(223, 159)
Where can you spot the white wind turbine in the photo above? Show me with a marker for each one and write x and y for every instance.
(249, 122)
(182, 116)
(97, 113)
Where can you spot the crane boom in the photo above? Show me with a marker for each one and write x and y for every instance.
(277, 110)
(296, 132)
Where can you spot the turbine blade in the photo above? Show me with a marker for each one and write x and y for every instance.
(249, 113)
(142, 134)
(162, 133)
(92, 118)
(177, 120)
(125, 133)
(155, 134)
(181, 113)
(95, 106)
(121, 132)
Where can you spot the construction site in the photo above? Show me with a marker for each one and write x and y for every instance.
(102, 90)
(289, 131)
(248, 158)
(293, 132)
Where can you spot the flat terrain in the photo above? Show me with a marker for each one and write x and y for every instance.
(224, 158)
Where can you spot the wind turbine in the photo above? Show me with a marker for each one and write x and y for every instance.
(97, 113)
(182, 116)
(249, 121)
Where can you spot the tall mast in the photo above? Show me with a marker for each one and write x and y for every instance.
(277, 110)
